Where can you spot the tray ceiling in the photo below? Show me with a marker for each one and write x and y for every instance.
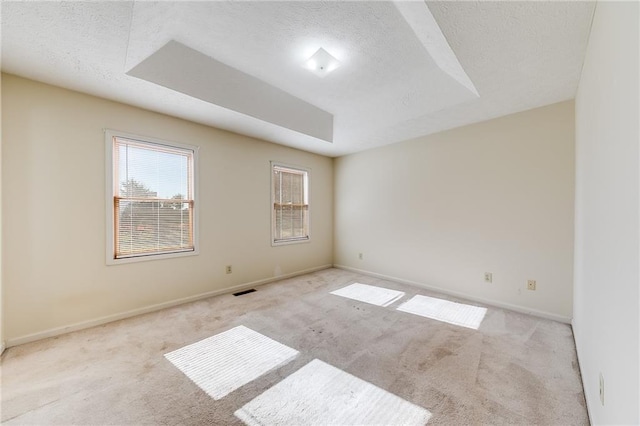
(406, 68)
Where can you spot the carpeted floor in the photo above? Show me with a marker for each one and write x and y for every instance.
(515, 369)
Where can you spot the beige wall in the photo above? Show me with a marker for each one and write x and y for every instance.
(606, 319)
(2, 342)
(53, 174)
(443, 209)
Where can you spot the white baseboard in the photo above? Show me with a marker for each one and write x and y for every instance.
(582, 376)
(152, 308)
(498, 304)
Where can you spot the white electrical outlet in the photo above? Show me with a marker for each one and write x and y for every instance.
(228, 269)
(488, 277)
(601, 389)
(531, 284)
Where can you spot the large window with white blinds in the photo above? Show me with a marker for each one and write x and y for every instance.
(290, 200)
(151, 198)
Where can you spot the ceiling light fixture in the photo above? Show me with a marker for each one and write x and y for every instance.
(321, 63)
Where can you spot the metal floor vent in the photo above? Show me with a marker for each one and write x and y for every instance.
(240, 293)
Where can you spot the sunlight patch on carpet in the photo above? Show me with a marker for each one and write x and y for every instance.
(320, 394)
(443, 310)
(222, 363)
(378, 296)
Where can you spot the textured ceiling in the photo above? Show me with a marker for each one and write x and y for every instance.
(178, 67)
(406, 69)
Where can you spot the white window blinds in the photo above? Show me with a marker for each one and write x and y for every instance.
(290, 204)
(153, 198)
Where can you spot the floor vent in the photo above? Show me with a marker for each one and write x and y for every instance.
(240, 293)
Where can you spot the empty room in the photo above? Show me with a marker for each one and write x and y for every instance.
(320, 212)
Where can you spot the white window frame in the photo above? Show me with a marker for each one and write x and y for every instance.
(110, 219)
(274, 242)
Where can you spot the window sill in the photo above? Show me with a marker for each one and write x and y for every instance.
(289, 242)
(145, 258)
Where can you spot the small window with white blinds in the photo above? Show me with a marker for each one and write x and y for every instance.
(152, 202)
(290, 200)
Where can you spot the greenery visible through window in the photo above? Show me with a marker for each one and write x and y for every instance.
(290, 204)
(153, 199)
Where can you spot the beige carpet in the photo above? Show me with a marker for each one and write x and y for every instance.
(515, 369)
